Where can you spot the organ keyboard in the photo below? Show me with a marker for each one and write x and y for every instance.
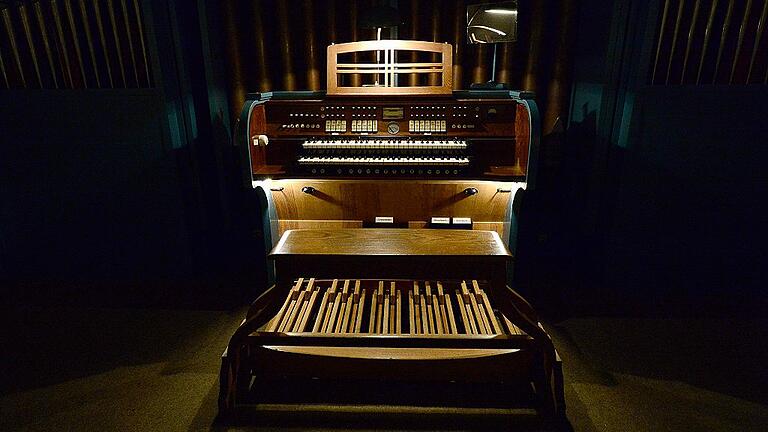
(383, 161)
(384, 156)
(406, 145)
(486, 137)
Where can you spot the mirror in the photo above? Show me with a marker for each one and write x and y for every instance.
(492, 23)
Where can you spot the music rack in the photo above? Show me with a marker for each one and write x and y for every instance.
(392, 68)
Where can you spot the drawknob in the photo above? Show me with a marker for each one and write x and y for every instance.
(470, 191)
(308, 190)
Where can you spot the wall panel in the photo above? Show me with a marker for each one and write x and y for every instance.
(73, 44)
(705, 42)
(282, 55)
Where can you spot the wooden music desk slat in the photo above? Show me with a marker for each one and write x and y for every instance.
(428, 243)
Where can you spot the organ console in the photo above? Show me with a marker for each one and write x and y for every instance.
(299, 134)
(357, 288)
(405, 158)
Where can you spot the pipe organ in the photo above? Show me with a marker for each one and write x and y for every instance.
(390, 227)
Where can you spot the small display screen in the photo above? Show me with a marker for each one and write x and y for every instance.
(392, 113)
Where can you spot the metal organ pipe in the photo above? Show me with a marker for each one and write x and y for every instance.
(232, 51)
(286, 51)
(313, 70)
(530, 78)
(262, 70)
(459, 23)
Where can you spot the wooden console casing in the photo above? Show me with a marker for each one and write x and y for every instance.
(412, 204)
(503, 149)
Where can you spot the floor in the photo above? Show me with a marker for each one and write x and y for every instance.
(116, 369)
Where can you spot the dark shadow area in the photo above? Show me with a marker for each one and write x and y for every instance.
(723, 356)
(325, 405)
(98, 210)
(381, 405)
(550, 257)
(666, 225)
(88, 194)
(378, 392)
(686, 205)
(56, 345)
(324, 197)
(275, 417)
(158, 370)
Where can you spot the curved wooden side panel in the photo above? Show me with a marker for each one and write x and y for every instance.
(234, 377)
(242, 134)
(522, 135)
(528, 126)
(549, 378)
(257, 123)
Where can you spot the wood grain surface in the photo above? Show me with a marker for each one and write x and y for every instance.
(390, 242)
(403, 200)
(445, 70)
(394, 353)
(285, 225)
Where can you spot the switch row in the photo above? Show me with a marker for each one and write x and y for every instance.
(335, 125)
(426, 126)
(300, 126)
(365, 126)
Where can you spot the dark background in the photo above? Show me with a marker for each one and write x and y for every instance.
(651, 199)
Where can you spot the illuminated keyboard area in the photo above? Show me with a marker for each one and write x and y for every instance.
(413, 157)
(389, 144)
